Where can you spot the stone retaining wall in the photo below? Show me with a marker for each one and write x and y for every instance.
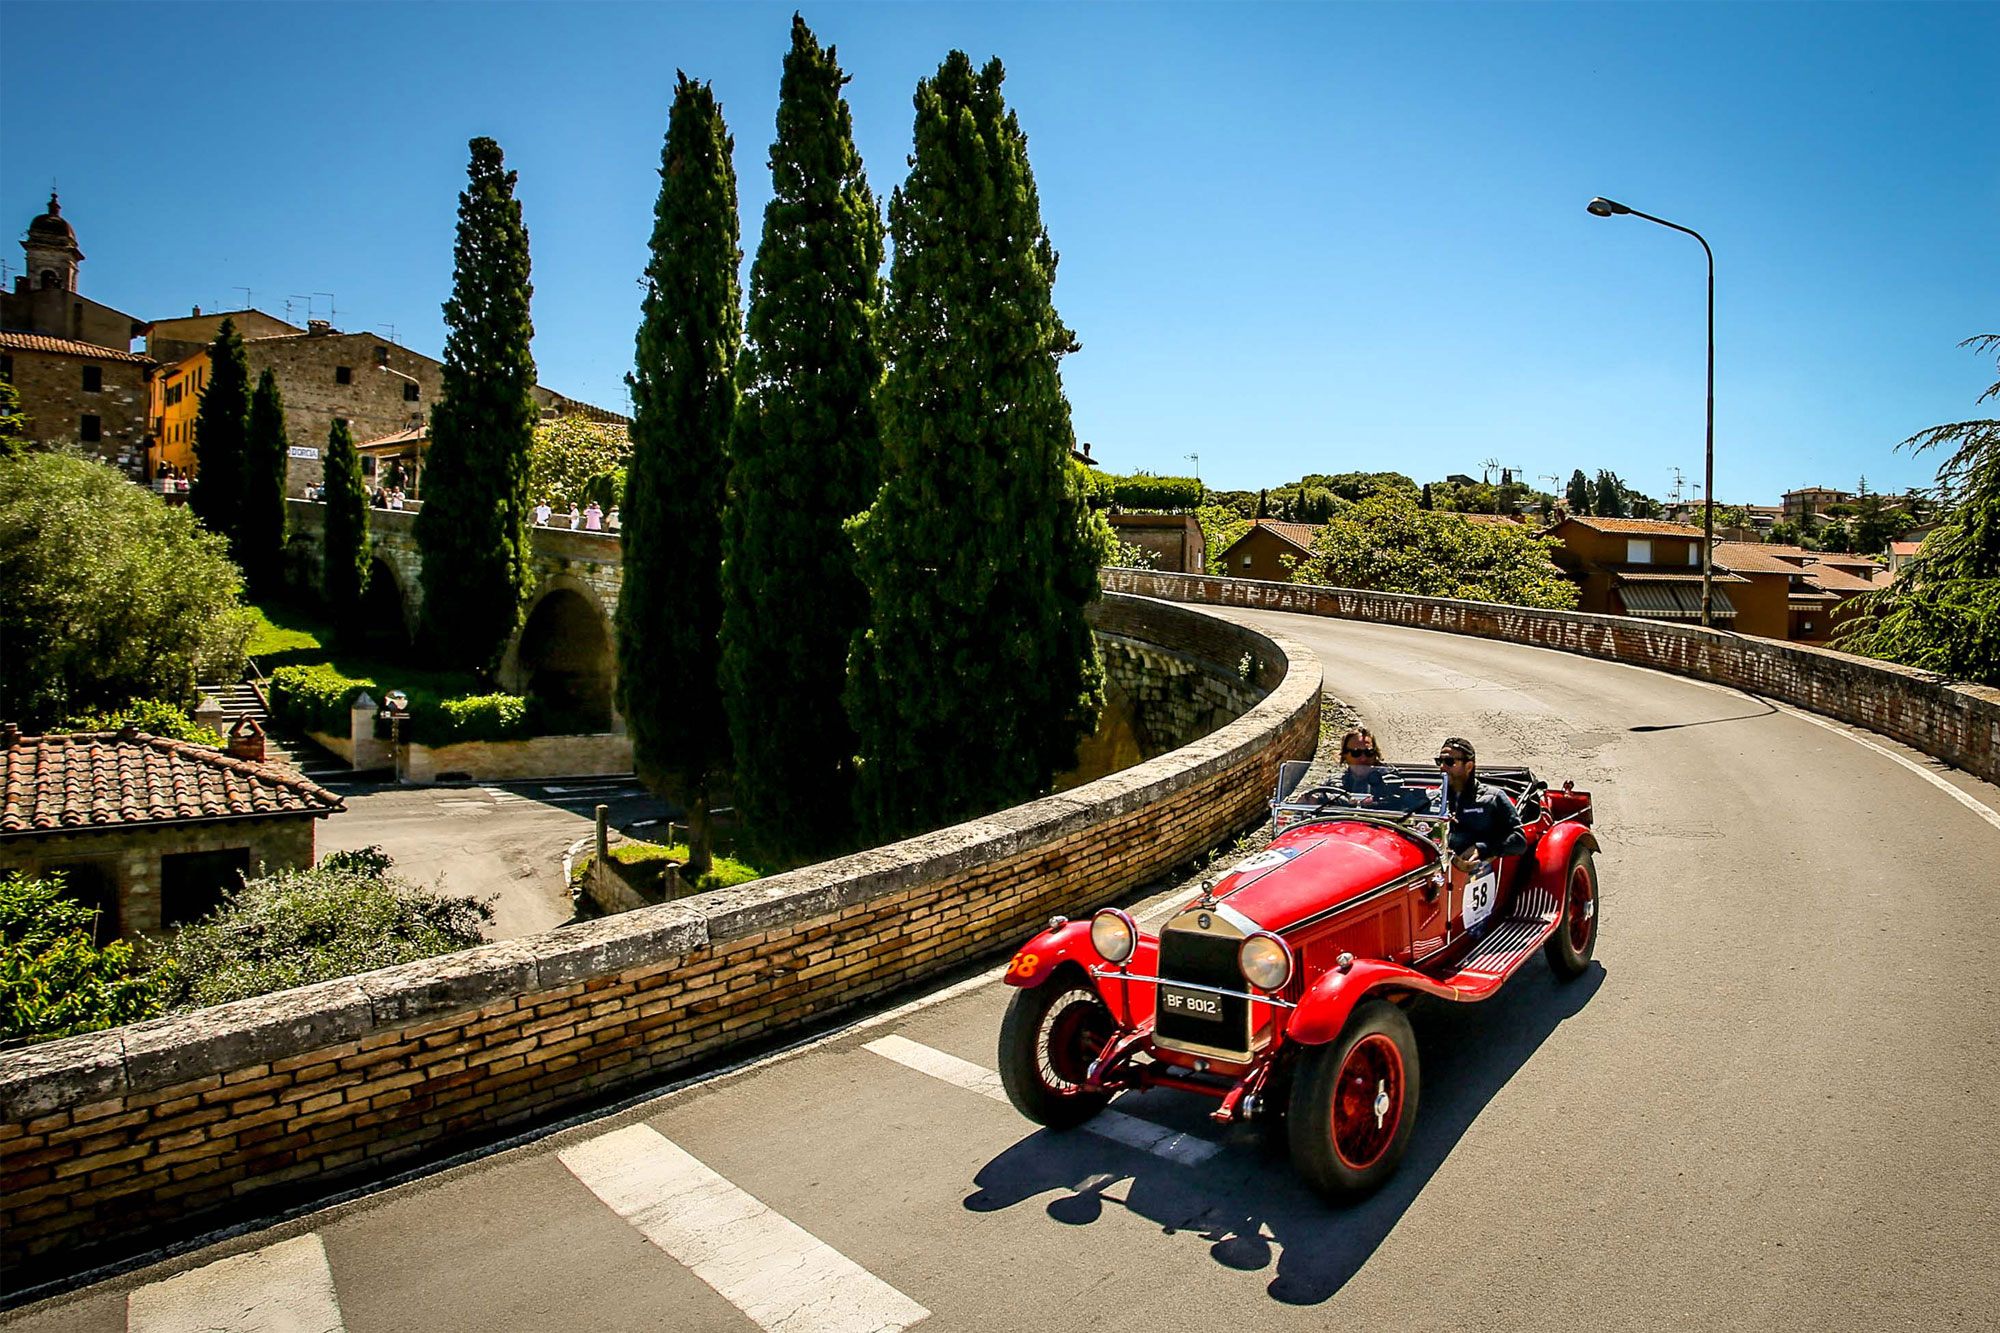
(113, 1140)
(1959, 724)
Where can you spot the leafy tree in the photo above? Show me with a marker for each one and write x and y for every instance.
(1578, 494)
(684, 399)
(979, 675)
(346, 915)
(55, 981)
(568, 454)
(1387, 544)
(260, 530)
(805, 456)
(1221, 528)
(473, 528)
(107, 593)
(221, 437)
(347, 560)
(1943, 611)
(1608, 496)
(13, 421)
(1360, 485)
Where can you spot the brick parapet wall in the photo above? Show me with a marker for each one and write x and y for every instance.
(1959, 724)
(111, 1139)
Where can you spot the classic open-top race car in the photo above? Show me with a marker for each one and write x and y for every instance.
(1280, 991)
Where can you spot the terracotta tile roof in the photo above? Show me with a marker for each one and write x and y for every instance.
(42, 342)
(1837, 580)
(1636, 525)
(108, 779)
(1298, 534)
(1668, 574)
(1904, 548)
(1754, 558)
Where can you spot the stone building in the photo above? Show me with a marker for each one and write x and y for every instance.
(81, 394)
(379, 388)
(69, 357)
(148, 830)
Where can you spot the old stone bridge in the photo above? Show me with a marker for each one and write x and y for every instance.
(563, 650)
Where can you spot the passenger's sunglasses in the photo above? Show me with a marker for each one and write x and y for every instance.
(1447, 760)
(1363, 754)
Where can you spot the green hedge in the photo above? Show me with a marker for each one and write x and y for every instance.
(1142, 490)
(319, 698)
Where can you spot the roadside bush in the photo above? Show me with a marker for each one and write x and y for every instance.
(348, 914)
(54, 982)
(157, 716)
(479, 717)
(315, 698)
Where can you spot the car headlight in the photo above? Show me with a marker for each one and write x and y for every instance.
(1266, 961)
(1113, 935)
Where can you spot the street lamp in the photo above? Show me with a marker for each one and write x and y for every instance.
(396, 707)
(1605, 208)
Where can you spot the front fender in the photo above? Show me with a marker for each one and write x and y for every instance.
(1037, 960)
(1324, 1008)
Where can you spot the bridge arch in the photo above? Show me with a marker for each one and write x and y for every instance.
(564, 655)
(386, 604)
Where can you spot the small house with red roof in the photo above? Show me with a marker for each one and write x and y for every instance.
(150, 831)
(1269, 550)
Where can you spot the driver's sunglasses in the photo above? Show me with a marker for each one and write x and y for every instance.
(1448, 760)
(1363, 754)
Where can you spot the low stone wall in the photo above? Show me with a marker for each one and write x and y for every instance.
(111, 1139)
(536, 757)
(1959, 724)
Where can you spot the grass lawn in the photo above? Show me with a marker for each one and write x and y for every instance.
(724, 871)
(288, 636)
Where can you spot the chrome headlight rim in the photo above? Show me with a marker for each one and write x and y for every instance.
(1271, 952)
(1107, 928)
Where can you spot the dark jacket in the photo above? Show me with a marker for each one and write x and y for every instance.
(1483, 818)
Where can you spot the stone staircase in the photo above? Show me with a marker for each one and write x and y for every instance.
(296, 753)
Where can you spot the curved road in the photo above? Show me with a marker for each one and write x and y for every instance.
(1775, 1103)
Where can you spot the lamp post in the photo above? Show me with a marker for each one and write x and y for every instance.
(396, 707)
(1605, 208)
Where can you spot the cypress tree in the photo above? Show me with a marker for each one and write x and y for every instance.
(260, 547)
(221, 430)
(804, 458)
(1609, 495)
(345, 568)
(979, 674)
(1424, 500)
(683, 400)
(1578, 493)
(473, 527)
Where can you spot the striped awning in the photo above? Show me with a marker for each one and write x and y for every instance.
(1672, 601)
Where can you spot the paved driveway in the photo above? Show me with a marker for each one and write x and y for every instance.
(1772, 1104)
(504, 841)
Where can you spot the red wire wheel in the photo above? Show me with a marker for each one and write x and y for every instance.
(1368, 1105)
(1048, 1039)
(1354, 1103)
(1570, 948)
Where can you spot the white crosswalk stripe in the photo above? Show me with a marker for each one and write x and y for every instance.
(282, 1288)
(1129, 1130)
(780, 1275)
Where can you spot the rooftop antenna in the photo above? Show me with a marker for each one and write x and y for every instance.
(1679, 484)
(392, 332)
(331, 313)
(296, 297)
(1196, 460)
(247, 295)
(1486, 470)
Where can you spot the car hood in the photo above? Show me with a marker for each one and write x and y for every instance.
(1316, 867)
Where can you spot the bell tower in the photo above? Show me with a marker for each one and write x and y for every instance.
(52, 255)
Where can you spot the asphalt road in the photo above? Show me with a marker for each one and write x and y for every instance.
(503, 842)
(1773, 1104)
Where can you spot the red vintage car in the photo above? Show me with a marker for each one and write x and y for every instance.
(1281, 991)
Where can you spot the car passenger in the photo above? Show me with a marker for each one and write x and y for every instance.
(1484, 823)
(1363, 776)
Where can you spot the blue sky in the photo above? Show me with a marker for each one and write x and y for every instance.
(1297, 238)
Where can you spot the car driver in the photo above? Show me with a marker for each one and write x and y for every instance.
(1484, 824)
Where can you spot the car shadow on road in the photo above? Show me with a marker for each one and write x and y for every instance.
(1246, 1202)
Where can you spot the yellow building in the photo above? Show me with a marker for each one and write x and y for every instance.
(176, 397)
